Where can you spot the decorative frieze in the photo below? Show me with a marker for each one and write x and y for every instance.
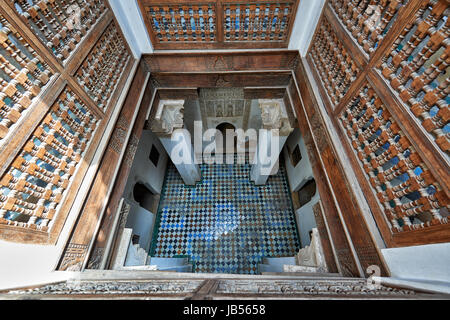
(308, 288)
(149, 287)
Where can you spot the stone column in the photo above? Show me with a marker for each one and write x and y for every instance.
(166, 125)
(272, 137)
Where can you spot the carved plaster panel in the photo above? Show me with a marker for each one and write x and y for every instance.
(168, 117)
(274, 116)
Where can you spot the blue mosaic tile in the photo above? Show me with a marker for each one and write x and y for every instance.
(225, 223)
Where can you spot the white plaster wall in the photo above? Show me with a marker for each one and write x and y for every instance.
(141, 221)
(302, 172)
(192, 113)
(254, 119)
(306, 221)
(308, 14)
(26, 265)
(428, 262)
(143, 169)
(132, 24)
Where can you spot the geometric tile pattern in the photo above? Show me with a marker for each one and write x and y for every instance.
(225, 223)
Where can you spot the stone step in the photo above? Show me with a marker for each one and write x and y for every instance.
(279, 260)
(136, 256)
(167, 262)
(263, 268)
(122, 250)
(184, 268)
(140, 268)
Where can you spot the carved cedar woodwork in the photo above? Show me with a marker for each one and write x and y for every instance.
(395, 113)
(219, 23)
(190, 288)
(266, 21)
(37, 180)
(368, 21)
(334, 64)
(103, 67)
(60, 25)
(47, 120)
(182, 22)
(23, 73)
(417, 68)
(410, 195)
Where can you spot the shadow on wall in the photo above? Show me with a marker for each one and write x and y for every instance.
(144, 186)
(302, 184)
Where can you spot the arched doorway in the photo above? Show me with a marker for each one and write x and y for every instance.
(225, 128)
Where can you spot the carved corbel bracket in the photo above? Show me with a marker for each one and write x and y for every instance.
(169, 117)
(274, 116)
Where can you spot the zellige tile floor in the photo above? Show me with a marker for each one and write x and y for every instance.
(225, 223)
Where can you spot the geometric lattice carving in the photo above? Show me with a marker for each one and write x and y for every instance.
(267, 21)
(408, 191)
(367, 21)
(182, 22)
(417, 68)
(22, 75)
(62, 24)
(334, 64)
(34, 185)
(102, 68)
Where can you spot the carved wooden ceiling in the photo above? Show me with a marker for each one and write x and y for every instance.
(212, 24)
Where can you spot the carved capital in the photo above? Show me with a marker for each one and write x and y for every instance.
(168, 117)
(274, 116)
